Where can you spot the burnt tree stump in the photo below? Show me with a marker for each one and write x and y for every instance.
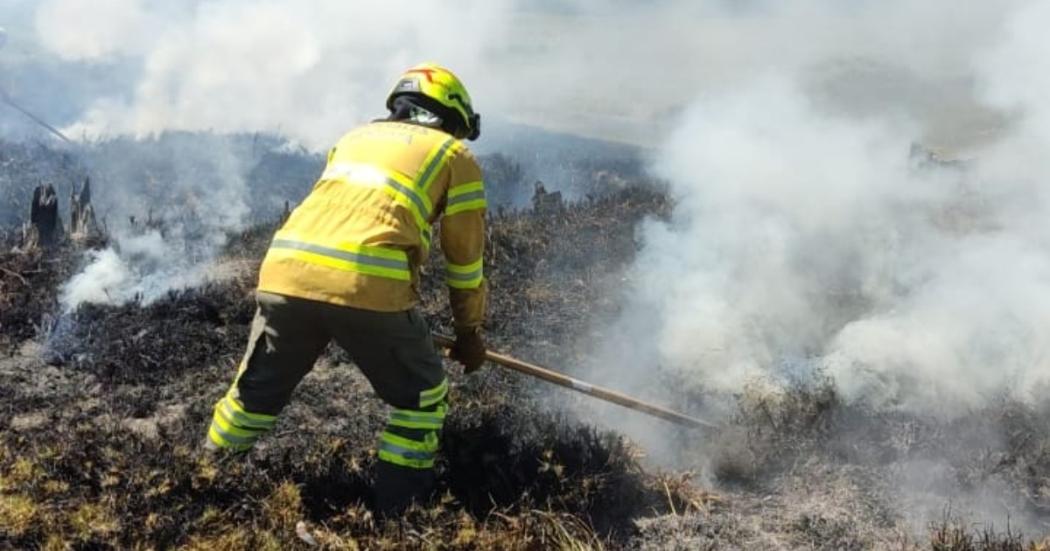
(545, 202)
(45, 227)
(82, 223)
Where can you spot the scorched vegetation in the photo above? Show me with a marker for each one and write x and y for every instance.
(102, 410)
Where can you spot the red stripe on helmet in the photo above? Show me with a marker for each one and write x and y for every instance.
(428, 72)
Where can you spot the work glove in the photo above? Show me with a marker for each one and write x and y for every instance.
(469, 349)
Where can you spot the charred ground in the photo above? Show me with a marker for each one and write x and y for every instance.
(102, 410)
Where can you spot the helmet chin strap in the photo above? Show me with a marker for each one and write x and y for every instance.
(475, 125)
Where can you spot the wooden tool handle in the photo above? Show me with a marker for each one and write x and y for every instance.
(586, 388)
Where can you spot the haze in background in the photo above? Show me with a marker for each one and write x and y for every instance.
(616, 70)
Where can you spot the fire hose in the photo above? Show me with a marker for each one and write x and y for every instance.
(583, 387)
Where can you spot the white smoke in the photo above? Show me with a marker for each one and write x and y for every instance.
(87, 31)
(101, 282)
(140, 268)
(176, 200)
(978, 323)
(807, 234)
(306, 70)
(615, 70)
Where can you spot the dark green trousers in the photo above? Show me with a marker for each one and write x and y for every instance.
(395, 352)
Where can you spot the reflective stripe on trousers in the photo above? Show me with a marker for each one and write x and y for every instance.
(411, 436)
(234, 428)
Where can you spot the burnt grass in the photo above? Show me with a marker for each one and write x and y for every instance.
(102, 411)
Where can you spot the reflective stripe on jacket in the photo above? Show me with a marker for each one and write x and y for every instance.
(361, 234)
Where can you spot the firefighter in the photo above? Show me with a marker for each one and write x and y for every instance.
(345, 265)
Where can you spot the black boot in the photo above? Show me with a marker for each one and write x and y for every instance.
(396, 487)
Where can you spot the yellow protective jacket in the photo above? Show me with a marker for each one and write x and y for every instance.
(361, 234)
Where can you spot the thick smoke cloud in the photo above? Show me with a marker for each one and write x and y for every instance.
(305, 70)
(816, 238)
(618, 70)
(810, 235)
(90, 31)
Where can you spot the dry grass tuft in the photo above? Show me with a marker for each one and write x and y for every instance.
(18, 514)
(22, 473)
(232, 539)
(93, 520)
(284, 507)
(949, 535)
(56, 542)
